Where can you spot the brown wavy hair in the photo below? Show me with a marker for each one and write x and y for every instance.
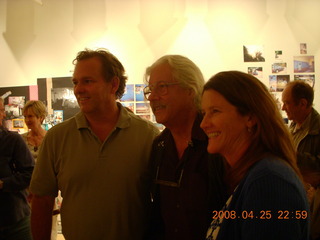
(270, 136)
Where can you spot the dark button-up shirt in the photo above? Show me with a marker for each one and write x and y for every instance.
(16, 166)
(185, 208)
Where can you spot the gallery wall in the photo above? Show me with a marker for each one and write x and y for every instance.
(40, 38)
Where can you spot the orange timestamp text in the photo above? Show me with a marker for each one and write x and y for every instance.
(263, 214)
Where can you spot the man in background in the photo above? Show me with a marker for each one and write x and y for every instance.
(297, 100)
(16, 166)
(98, 159)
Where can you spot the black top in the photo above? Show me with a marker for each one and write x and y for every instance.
(186, 206)
(16, 166)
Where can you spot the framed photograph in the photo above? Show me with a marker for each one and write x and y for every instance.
(255, 71)
(128, 95)
(303, 48)
(142, 108)
(57, 116)
(310, 79)
(253, 53)
(278, 53)
(17, 123)
(279, 68)
(303, 64)
(139, 92)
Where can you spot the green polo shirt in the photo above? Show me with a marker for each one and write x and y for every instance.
(104, 185)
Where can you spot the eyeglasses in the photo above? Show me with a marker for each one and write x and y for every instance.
(160, 89)
(168, 183)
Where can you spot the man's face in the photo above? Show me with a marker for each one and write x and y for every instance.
(93, 93)
(2, 112)
(169, 100)
(292, 109)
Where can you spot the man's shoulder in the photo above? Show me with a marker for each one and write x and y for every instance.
(141, 123)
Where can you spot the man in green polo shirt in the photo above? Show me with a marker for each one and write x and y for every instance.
(98, 159)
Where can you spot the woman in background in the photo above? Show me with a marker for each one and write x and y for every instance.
(34, 114)
(267, 197)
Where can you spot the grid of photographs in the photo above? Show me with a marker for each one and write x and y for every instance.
(133, 99)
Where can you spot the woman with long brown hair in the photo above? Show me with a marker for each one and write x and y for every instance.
(267, 196)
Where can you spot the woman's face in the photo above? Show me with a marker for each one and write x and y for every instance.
(226, 129)
(31, 119)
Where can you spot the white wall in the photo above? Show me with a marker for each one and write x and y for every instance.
(41, 37)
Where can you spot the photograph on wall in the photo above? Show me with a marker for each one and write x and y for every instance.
(139, 92)
(277, 54)
(303, 64)
(128, 95)
(256, 71)
(12, 111)
(57, 116)
(18, 101)
(279, 68)
(272, 83)
(303, 48)
(143, 108)
(253, 53)
(57, 93)
(278, 82)
(17, 123)
(310, 79)
(62, 98)
(129, 105)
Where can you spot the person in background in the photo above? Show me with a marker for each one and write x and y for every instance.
(34, 114)
(297, 99)
(268, 198)
(181, 191)
(98, 159)
(16, 166)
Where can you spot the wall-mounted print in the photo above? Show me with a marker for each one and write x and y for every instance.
(128, 95)
(142, 108)
(273, 83)
(57, 116)
(17, 101)
(129, 105)
(139, 92)
(256, 71)
(303, 48)
(279, 68)
(278, 82)
(277, 54)
(310, 79)
(18, 123)
(303, 64)
(253, 53)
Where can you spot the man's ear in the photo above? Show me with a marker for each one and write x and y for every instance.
(303, 102)
(115, 82)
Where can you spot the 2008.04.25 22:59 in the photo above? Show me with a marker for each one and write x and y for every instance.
(264, 214)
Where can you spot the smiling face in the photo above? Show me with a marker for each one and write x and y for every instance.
(31, 120)
(172, 106)
(93, 93)
(226, 129)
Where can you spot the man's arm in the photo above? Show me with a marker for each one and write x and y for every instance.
(41, 217)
